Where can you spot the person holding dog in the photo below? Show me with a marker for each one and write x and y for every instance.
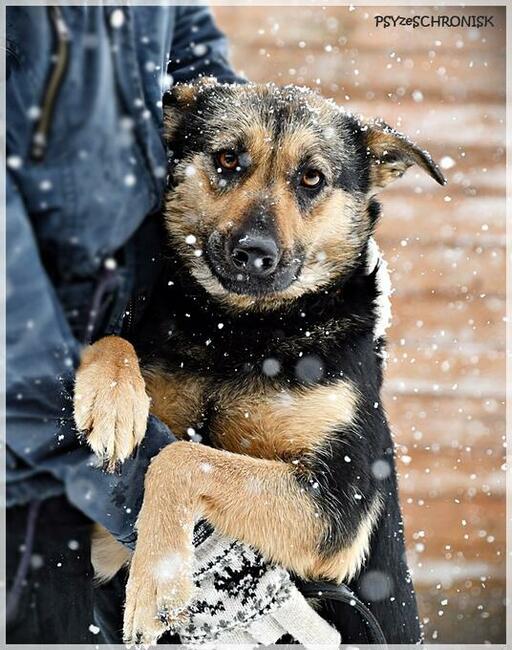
(86, 174)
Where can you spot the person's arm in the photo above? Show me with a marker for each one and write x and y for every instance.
(199, 48)
(41, 357)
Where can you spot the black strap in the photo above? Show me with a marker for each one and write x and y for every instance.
(342, 594)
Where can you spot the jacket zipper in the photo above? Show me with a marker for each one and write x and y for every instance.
(40, 136)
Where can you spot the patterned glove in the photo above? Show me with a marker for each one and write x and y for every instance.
(242, 599)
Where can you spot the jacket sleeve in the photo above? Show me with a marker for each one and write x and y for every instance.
(41, 357)
(199, 48)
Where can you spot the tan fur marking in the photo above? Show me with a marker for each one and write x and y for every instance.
(107, 554)
(259, 140)
(110, 402)
(177, 399)
(254, 418)
(186, 94)
(292, 148)
(347, 563)
(290, 225)
(336, 234)
(266, 424)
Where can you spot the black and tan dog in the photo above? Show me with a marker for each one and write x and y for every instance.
(263, 340)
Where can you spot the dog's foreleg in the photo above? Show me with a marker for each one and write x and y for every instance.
(261, 502)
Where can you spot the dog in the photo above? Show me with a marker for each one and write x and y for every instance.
(264, 343)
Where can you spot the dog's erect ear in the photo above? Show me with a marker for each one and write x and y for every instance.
(180, 99)
(392, 154)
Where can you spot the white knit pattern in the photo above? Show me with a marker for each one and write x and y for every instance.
(243, 600)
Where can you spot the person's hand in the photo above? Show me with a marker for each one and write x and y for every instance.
(241, 598)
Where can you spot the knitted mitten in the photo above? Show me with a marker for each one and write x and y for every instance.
(242, 599)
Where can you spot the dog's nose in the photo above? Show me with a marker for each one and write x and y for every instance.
(255, 254)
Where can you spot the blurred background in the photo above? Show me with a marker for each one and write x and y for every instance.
(445, 384)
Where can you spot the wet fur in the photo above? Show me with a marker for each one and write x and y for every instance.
(287, 457)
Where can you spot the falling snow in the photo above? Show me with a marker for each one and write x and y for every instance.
(445, 250)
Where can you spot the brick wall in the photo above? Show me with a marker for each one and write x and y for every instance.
(445, 385)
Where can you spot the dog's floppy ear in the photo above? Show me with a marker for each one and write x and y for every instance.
(180, 99)
(392, 153)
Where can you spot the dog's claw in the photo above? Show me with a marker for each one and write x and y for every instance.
(139, 641)
(110, 466)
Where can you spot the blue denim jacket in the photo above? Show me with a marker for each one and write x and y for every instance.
(85, 167)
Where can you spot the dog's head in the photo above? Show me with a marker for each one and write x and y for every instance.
(270, 188)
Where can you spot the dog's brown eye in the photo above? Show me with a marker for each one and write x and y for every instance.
(311, 178)
(228, 160)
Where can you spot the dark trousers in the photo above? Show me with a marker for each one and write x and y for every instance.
(51, 601)
(57, 601)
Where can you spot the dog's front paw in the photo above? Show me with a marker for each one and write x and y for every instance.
(111, 406)
(158, 593)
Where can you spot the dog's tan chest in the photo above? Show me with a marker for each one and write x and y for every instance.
(179, 399)
(251, 418)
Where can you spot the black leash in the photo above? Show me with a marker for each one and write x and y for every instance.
(342, 594)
